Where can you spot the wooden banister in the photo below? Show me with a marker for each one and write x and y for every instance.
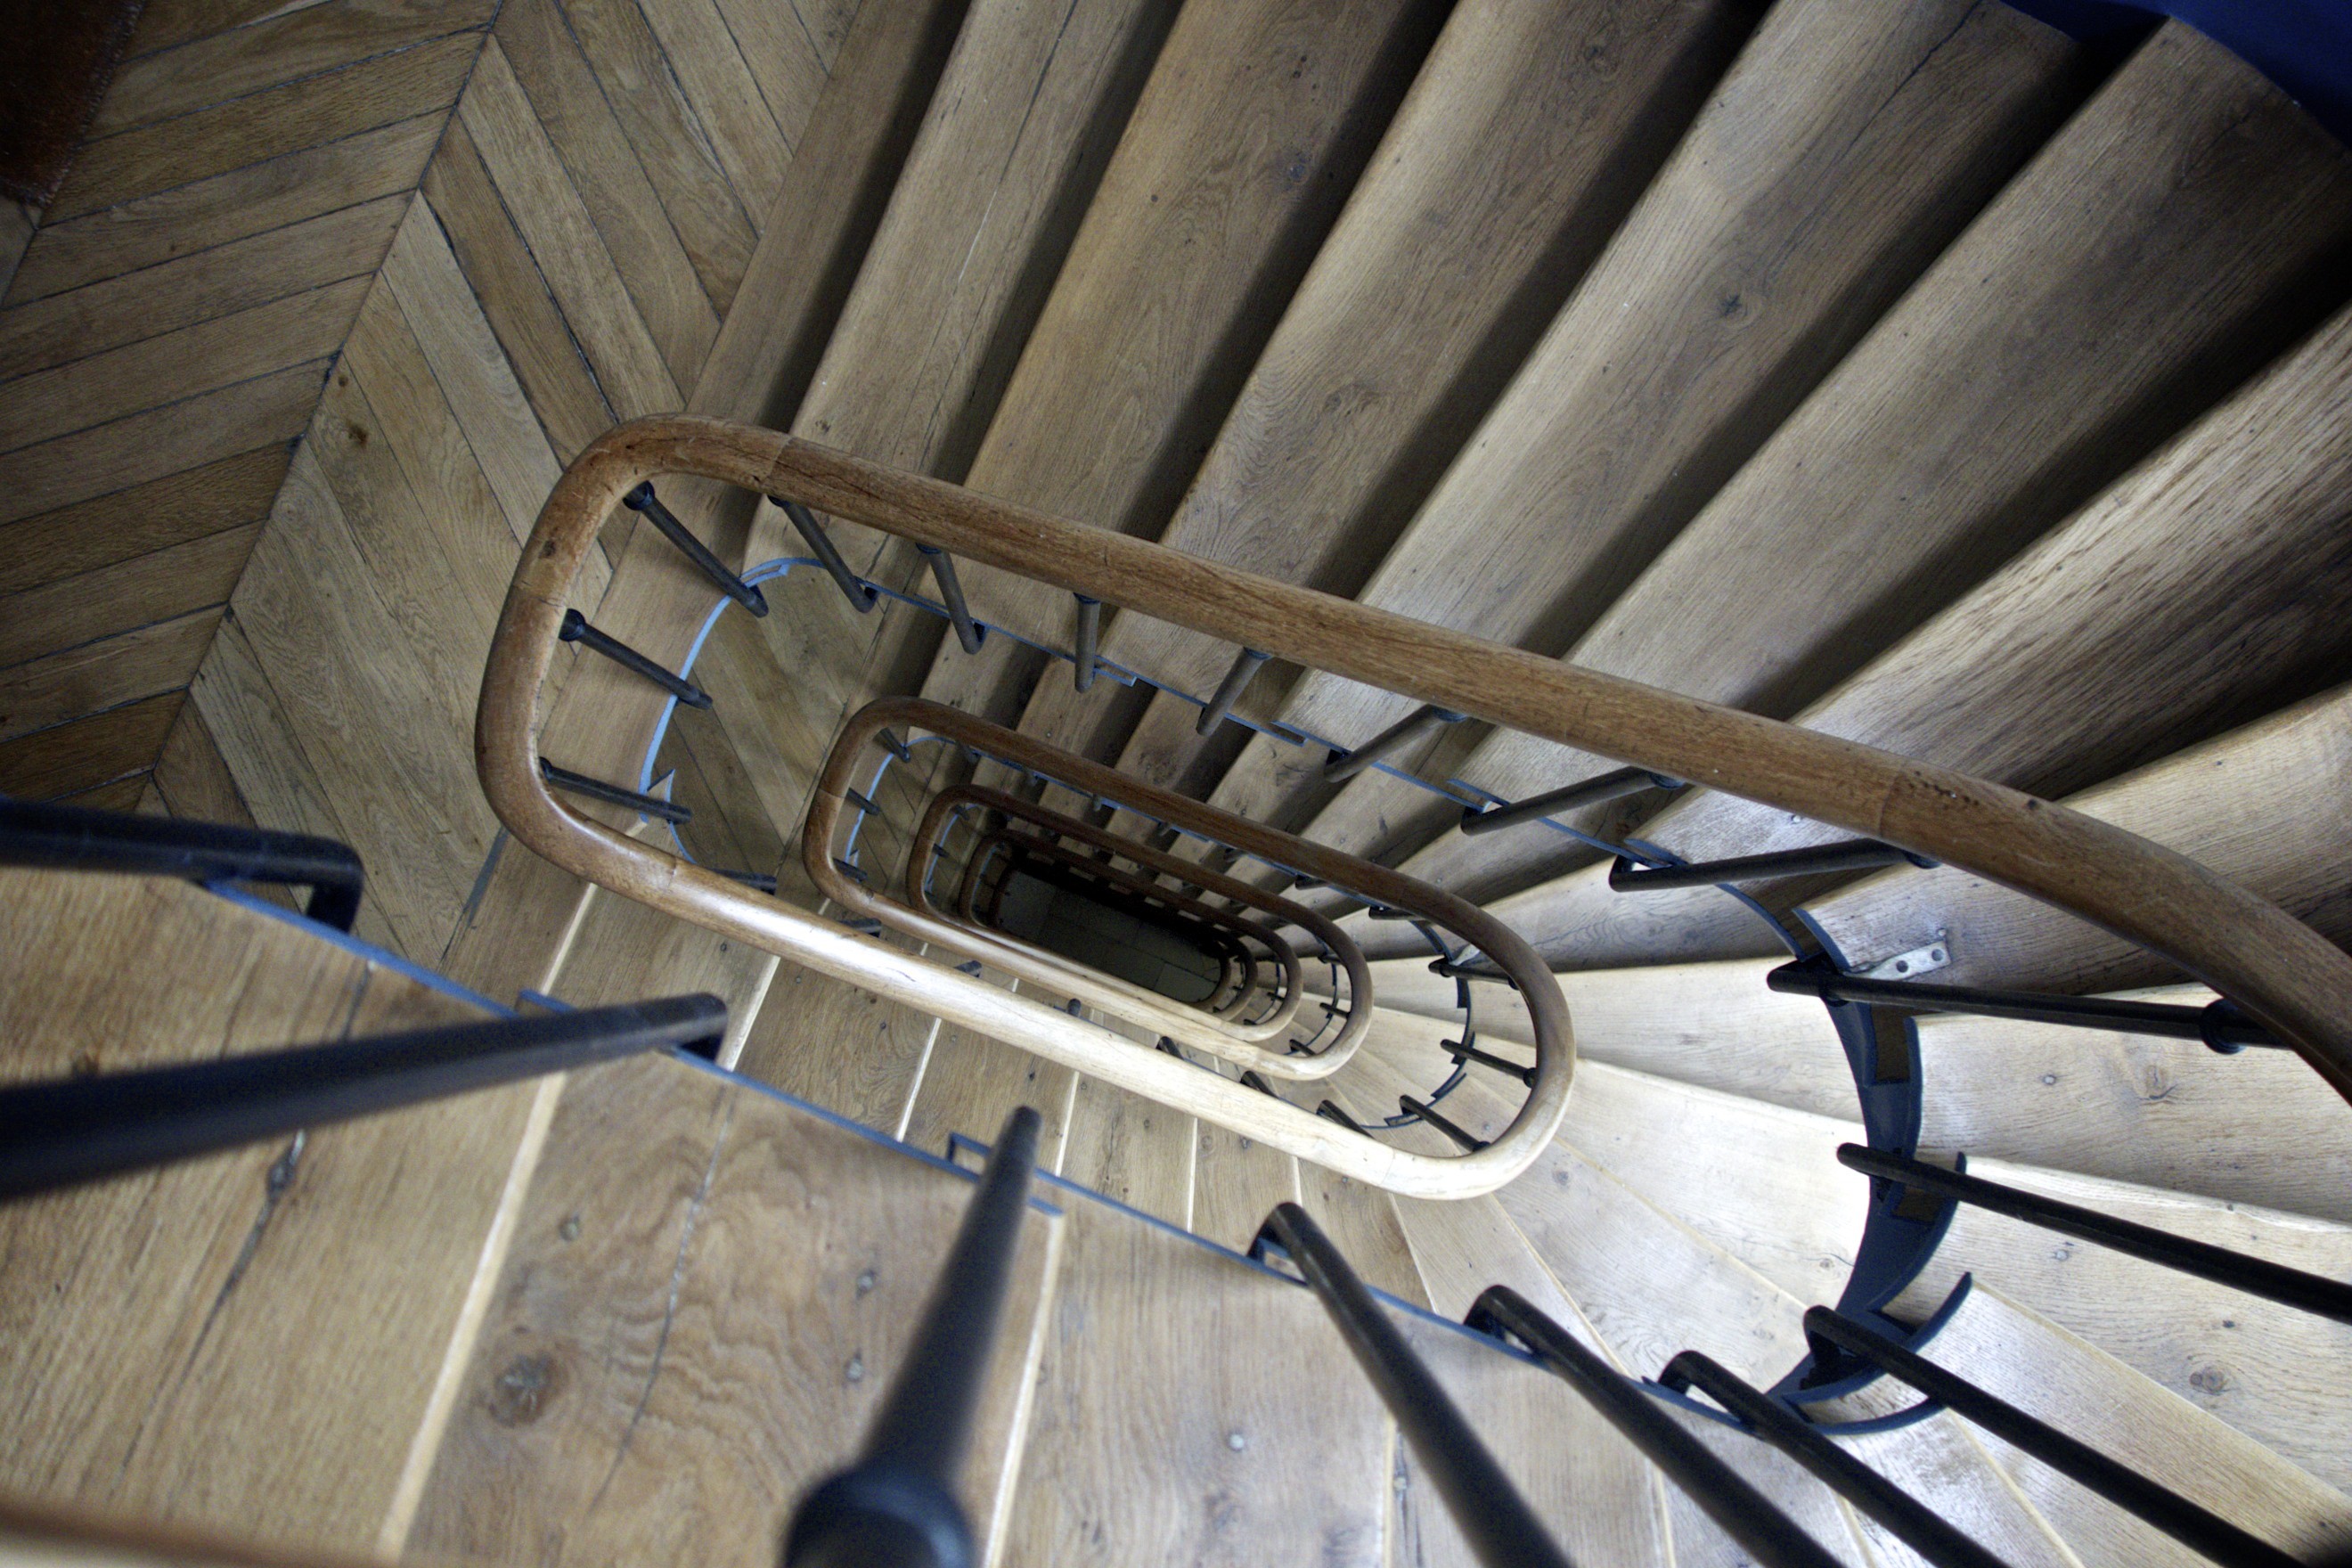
(2280, 971)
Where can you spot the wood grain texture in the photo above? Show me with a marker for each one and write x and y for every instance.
(67, 759)
(751, 147)
(1145, 1446)
(2233, 1356)
(141, 520)
(300, 41)
(837, 1047)
(2200, 210)
(189, 218)
(2038, 1366)
(702, 1263)
(623, 952)
(287, 119)
(1842, 151)
(1131, 1149)
(159, 442)
(2133, 1107)
(1234, 166)
(1527, 133)
(1595, 1493)
(193, 777)
(105, 674)
(347, 243)
(159, 586)
(2260, 804)
(163, 1323)
(972, 1083)
(2146, 621)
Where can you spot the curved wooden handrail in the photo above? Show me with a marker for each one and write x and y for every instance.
(2279, 970)
(1230, 928)
(1322, 928)
(913, 715)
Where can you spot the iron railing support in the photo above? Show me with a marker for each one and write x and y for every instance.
(1591, 791)
(652, 805)
(861, 596)
(1854, 854)
(2197, 1528)
(2218, 1024)
(642, 501)
(577, 629)
(1084, 652)
(77, 838)
(1243, 669)
(969, 634)
(896, 1507)
(1407, 731)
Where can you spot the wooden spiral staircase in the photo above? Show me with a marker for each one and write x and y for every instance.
(1907, 371)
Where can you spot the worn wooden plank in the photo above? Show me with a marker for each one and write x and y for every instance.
(266, 125)
(2135, 1108)
(625, 951)
(751, 147)
(2260, 805)
(787, 60)
(158, 442)
(17, 222)
(1595, 1493)
(1522, 144)
(307, 40)
(697, 1259)
(66, 759)
(1233, 167)
(347, 243)
(178, 365)
(670, 143)
(166, 24)
(254, 200)
(1362, 1221)
(1130, 1148)
(970, 1084)
(242, 716)
(839, 1047)
(373, 723)
(159, 586)
(1172, 1375)
(102, 675)
(304, 1289)
(193, 777)
(2177, 222)
(513, 297)
(2019, 1356)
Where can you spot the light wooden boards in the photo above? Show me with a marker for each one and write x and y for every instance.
(248, 1342)
(2262, 805)
(709, 1292)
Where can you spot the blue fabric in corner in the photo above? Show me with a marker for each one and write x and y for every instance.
(2304, 45)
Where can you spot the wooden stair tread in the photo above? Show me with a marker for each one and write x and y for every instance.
(2262, 805)
(2139, 1108)
(825, 1041)
(2022, 1358)
(251, 1342)
(1845, 149)
(708, 1292)
(1511, 160)
(2256, 1365)
(2143, 621)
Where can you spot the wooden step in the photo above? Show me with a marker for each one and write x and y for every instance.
(1847, 147)
(2262, 805)
(2034, 1364)
(2147, 620)
(256, 1342)
(708, 1291)
(1522, 144)
(2259, 1128)
(2270, 1372)
(1234, 164)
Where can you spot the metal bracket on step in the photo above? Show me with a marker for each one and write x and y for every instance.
(1935, 956)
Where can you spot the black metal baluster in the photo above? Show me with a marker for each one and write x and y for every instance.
(77, 1130)
(1489, 1509)
(2255, 1276)
(896, 1507)
(861, 596)
(1082, 663)
(1406, 731)
(944, 568)
(2218, 1024)
(1741, 1512)
(611, 793)
(1856, 855)
(577, 629)
(1915, 1525)
(642, 501)
(1591, 791)
(1468, 1140)
(1462, 1050)
(76, 838)
(1244, 669)
(2167, 1510)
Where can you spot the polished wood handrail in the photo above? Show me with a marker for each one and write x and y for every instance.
(1322, 928)
(2279, 970)
(911, 716)
(1230, 929)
